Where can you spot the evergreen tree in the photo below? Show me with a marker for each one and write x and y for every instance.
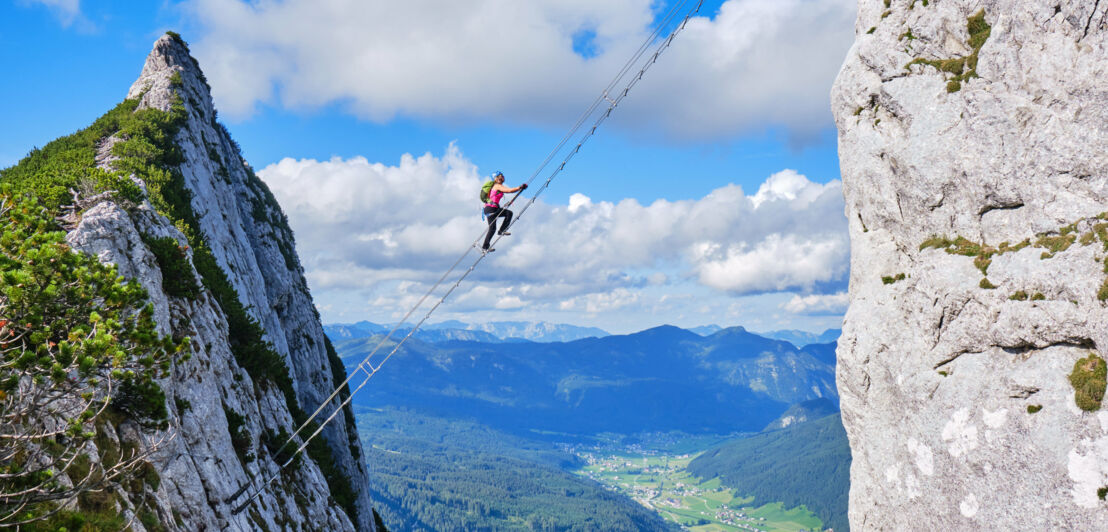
(78, 347)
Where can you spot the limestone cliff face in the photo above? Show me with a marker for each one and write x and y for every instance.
(249, 240)
(954, 377)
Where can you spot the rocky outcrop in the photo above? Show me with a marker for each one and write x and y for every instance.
(804, 412)
(220, 414)
(974, 156)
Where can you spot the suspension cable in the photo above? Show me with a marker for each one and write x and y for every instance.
(577, 126)
(666, 20)
(370, 369)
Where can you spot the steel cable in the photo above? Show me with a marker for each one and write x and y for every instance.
(366, 362)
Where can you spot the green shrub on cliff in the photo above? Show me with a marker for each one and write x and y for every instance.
(142, 144)
(78, 345)
(177, 277)
(1089, 379)
(70, 163)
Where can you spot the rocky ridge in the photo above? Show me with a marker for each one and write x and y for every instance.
(215, 404)
(974, 157)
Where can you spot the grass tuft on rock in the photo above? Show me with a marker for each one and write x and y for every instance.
(1089, 379)
(890, 279)
(1055, 243)
(961, 69)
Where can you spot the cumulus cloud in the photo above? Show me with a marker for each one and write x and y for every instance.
(817, 304)
(776, 263)
(752, 64)
(361, 226)
(379, 216)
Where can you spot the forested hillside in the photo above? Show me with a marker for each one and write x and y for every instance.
(432, 474)
(807, 463)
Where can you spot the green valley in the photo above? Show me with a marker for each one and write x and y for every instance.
(662, 483)
(435, 474)
(804, 463)
(600, 434)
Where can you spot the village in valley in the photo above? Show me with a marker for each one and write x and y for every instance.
(659, 481)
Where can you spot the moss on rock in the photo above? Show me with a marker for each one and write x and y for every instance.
(1089, 379)
(961, 69)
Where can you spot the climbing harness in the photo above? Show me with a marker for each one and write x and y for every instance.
(366, 366)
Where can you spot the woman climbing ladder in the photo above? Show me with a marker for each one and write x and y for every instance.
(493, 210)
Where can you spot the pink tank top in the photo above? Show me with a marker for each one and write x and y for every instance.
(494, 197)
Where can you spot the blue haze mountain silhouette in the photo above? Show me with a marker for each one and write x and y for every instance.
(660, 379)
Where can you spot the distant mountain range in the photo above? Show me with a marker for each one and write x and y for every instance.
(793, 336)
(706, 330)
(665, 378)
(491, 332)
(803, 338)
(536, 331)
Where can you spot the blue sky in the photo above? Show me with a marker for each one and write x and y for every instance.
(725, 151)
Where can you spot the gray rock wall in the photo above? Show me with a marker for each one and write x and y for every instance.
(937, 370)
(199, 467)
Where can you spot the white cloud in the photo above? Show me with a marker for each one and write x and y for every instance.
(67, 12)
(818, 304)
(775, 263)
(379, 216)
(578, 201)
(785, 185)
(597, 303)
(757, 62)
(391, 230)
